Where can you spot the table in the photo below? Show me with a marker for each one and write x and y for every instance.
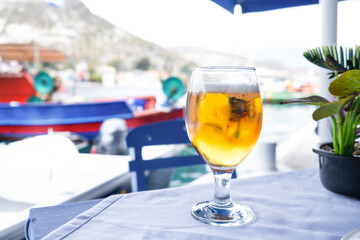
(291, 205)
(24, 184)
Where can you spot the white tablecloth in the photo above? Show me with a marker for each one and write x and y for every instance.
(288, 206)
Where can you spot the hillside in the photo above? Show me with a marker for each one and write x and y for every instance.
(81, 35)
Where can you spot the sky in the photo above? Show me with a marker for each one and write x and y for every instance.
(202, 23)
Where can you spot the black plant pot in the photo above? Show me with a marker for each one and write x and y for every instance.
(339, 174)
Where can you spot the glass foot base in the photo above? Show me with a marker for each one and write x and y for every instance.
(233, 214)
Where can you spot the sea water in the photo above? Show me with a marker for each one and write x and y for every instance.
(281, 121)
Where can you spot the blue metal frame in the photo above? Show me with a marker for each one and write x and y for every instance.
(262, 5)
(160, 133)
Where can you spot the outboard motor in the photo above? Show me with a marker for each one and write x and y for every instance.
(112, 137)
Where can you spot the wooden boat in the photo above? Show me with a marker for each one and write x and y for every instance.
(22, 120)
(20, 117)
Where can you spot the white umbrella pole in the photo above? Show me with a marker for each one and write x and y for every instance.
(328, 37)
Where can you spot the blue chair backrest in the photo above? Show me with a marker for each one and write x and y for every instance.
(160, 133)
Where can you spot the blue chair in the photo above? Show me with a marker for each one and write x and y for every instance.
(160, 133)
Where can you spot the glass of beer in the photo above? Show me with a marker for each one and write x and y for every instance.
(223, 120)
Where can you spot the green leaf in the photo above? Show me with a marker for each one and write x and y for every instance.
(316, 57)
(332, 63)
(342, 62)
(331, 108)
(346, 84)
(350, 59)
(334, 58)
(357, 57)
(326, 110)
(312, 100)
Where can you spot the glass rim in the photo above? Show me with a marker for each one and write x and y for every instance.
(225, 68)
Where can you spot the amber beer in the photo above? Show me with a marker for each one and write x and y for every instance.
(224, 124)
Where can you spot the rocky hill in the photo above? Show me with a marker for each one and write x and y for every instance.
(81, 35)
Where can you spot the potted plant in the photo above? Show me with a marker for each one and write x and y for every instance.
(340, 159)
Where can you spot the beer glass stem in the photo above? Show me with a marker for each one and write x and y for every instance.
(222, 187)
